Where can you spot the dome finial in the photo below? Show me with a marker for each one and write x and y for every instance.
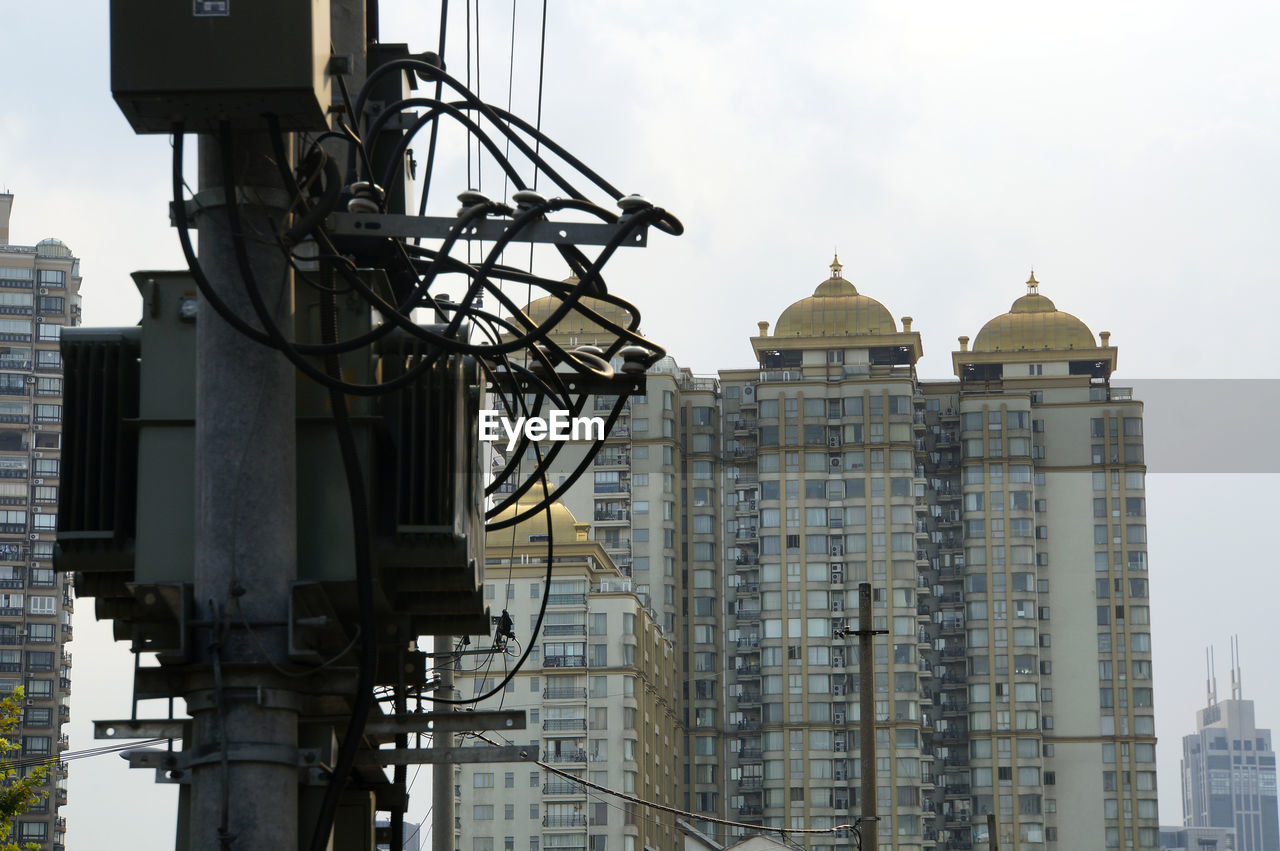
(836, 266)
(1032, 284)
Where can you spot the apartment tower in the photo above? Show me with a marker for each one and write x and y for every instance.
(1000, 519)
(39, 294)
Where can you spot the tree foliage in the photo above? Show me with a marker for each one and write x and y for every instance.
(17, 793)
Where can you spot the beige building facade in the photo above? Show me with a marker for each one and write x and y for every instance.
(1000, 518)
(598, 690)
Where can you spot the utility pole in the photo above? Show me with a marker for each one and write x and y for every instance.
(993, 838)
(442, 815)
(867, 719)
(245, 716)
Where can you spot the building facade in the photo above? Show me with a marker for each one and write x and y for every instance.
(1000, 518)
(1197, 839)
(39, 294)
(1229, 772)
(598, 691)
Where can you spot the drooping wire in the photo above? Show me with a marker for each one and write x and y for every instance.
(435, 126)
(525, 384)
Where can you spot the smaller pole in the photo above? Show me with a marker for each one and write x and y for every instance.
(442, 815)
(992, 837)
(867, 720)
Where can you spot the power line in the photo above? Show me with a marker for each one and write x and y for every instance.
(679, 812)
(67, 756)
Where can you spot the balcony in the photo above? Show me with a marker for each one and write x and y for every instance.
(748, 614)
(750, 782)
(575, 661)
(575, 820)
(618, 516)
(563, 788)
(564, 693)
(613, 487)
(562, 724)
(750, 810)
(750, 754)
(566, 599)
(564, 756)
(612, 461)
(750, 642)
(748, 725)
(564, 629)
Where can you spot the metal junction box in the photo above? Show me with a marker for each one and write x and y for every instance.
(206, 61)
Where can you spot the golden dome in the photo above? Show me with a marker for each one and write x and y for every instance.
(564, 526)
(835, 309)
(574, 324)
(1033, 323)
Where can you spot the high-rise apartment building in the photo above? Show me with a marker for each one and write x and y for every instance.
(598, 694)
(39, 294)
(1229, 770)
(1000, 518)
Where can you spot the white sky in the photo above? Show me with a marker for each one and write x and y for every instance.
(1127, 151)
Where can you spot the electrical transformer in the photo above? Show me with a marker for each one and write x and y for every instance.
(202, 62)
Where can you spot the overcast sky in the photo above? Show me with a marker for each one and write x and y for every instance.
(1126, 151)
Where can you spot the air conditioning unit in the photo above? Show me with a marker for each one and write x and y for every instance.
(44, 291)
(31, 379)
(39, 320)
(35, 565)
(31, 701)
(35, 536)
(35, 426)
(835, 463)
(37, 454)
(833, 441)
(748, 391)
(37, 481)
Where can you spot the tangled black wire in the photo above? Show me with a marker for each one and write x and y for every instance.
(526, 369)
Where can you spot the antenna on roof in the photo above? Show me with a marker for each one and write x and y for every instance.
(1213, 679)
(1236, 676)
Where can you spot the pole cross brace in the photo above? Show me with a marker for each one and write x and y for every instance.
(414, 756)
(173, 766)
(489, 230)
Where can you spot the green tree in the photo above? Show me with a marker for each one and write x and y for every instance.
(17, 793)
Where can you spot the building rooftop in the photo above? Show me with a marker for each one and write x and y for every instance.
(1033, 322)
(835, 309)
(574, 323)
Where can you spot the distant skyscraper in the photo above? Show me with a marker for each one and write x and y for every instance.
(1229, 768)
(39, 294)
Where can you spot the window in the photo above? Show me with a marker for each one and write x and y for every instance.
(41, 605)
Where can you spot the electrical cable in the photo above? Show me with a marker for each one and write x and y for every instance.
(527, 383)
(69, 756)
(435, 128)
(537, 625)
(362, 540)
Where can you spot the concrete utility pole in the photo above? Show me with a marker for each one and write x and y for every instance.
(442, 799)
(867, 719)
(993, 838)
(245, 715)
